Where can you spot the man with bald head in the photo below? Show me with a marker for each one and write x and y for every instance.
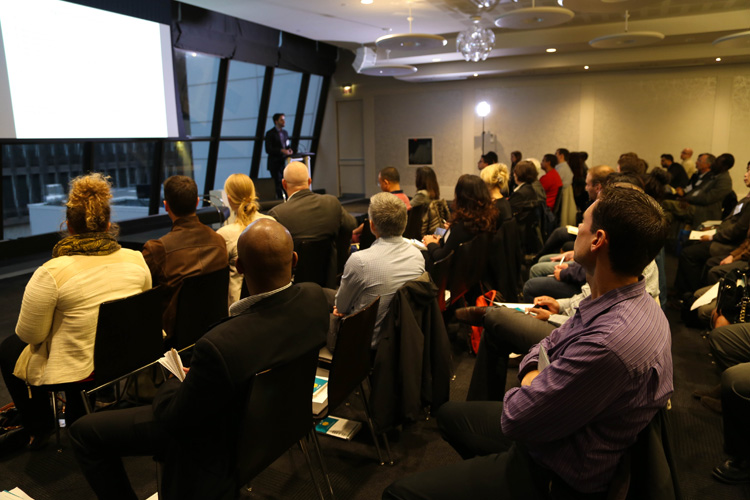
(309, 215)
(686, 155)
(260, 334)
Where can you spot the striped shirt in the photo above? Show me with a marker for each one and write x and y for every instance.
(610, 371)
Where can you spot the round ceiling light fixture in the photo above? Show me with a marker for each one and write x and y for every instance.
(389, 70)
(411, 41)
(626, 39)
(739, 40)
(605, 5)
(534, 17)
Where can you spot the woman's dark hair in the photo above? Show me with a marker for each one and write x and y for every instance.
(577, 164)
(427, 180)
(472, 204)
(525, 171)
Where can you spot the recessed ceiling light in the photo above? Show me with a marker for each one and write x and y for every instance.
(436, 59)
(718, 59)
(551, 50)
(585, 67)
(476, 74)
(366, 2)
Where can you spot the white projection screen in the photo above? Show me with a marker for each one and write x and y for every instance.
(73, 72)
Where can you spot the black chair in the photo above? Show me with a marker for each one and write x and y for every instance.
(528, 220)
(439, 272)
(366, 239)
(128, 337)
(468, 265)
(505, 259)
(728, 204)
(350, 365)
(313, 260)
(201, 302)
(276, 415)
(414, 222)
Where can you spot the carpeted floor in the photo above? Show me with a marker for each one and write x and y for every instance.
(697, 438)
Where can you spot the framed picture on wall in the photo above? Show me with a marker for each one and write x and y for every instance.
(420, 151)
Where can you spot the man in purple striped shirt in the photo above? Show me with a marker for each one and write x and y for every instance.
(564, 431)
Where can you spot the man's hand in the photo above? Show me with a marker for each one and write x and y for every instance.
(726, 260)
(707, 237)
(558, 269)
(718, 319)
(563, 256)
(551, 304)
(430, 238)
(529, 377)
(337, 313)
(541, 314)
(680, 192)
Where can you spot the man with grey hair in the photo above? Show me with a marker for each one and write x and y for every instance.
(380, 270)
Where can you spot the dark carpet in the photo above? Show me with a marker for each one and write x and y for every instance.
(696, 433)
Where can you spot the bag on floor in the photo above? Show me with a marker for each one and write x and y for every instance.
(733, 299)
(476, 331)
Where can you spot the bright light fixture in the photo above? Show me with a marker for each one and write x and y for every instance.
(483, 109)
(366, 2)
(585, 67)
(551, 50)
(476, 74)
(718, 59)
(436, 59)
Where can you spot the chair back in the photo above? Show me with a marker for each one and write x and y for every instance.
(351, 362)
(414, 222)
(276, 414)
(201, 302)
(728, 204)
(313, 260)
(468, 265)
(128, 335)
(439, 272)
(504, 261)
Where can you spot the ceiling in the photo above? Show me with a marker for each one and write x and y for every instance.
(689, 26)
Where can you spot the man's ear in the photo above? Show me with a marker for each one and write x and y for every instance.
(166, 206)
(309, 182)
(600, 239)
(283, 184)
(295, 258)
(197, 201)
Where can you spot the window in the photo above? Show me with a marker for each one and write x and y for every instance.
(197, 75)
(244, 89)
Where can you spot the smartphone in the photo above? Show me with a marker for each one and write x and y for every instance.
(440, 231)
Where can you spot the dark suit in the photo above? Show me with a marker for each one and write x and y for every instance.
(309, 215)
(276, 141)
(194, 424)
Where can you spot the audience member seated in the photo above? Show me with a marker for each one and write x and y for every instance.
(565, 281)
(595, 179)
(190, 248)
(551, 181)
(309, 215)
(562, 167)
(701, 199)
(686, 155)
(678, 176)
(473, 213)
(713, 250)
(525, 197)
(571, 450)
(390, 182)
(487, 159)
(278, 322)
(380, 270)
(56, 329)
(515, 157)
(578, 166)
(496, 178)
(735, 395)
(240, 192)
(428, 193)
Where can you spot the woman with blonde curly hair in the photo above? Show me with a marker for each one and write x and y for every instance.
(56, 329)
(240, 192)
(496, 177)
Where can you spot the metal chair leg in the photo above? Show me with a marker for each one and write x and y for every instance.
(323, 467)
(372, 428)
(303, 447)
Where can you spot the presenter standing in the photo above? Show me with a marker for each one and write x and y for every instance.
(277, 146)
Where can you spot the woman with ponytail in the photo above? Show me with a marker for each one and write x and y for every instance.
(240, 192)
(56, 329)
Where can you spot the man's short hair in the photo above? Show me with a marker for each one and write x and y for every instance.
(630, 164)
(667, 156)
(552, 159)
(276, 117)
(525, 171)
(722, 163)
(564, 152)
(181, 194)
(599, 173)
(390, 174)
(388, 214)
(635, 225)
(490, 158)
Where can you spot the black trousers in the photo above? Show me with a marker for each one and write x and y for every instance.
(276, 168)
(735, 403)
(505, 331)
(556, 241)
(494, 467)
(33, 402)
(100, 440)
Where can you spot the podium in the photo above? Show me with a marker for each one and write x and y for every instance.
(303, 157)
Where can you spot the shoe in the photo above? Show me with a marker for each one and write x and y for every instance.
(13, 441)
(712, 404)
(714, 392)
(471, 315)
(39, 441)
(733, 472)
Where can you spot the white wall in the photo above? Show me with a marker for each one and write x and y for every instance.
(650, 112)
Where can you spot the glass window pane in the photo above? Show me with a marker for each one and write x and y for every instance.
(244, 89)
(197, 74)
(35, 186)
(234, 158)
(311, 106)
(129, 166)
(186, 158)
